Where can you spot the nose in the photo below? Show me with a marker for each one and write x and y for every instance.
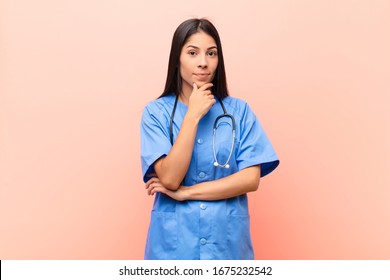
(202, 61)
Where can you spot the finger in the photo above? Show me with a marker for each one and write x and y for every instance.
(194, 87)
(152, 180)
(148, 182)
(212, 101)
(159, 189)
(206, 86)
(151, 187)
(148, 188)
(155, 187)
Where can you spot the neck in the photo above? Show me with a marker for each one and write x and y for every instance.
(184, 96)
(184, 99)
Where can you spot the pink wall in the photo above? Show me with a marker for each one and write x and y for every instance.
(75, 76)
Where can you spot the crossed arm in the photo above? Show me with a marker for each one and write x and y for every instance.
(244, 181)
(171, 169)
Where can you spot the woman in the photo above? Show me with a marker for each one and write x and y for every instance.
(200, 178)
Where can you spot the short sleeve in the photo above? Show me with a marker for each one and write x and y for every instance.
(254, 146)
(154, 139)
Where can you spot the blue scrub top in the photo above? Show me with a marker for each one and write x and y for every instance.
(196, 229)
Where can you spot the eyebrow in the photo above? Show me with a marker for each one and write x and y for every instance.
(195, 47)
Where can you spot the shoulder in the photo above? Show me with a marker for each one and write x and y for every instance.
(158, 110)
(236, 106)
(235, 102)
(161, 103)
(161, 106)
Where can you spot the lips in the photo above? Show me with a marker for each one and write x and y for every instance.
(202, 76)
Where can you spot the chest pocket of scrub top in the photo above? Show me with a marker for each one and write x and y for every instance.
(223, 142)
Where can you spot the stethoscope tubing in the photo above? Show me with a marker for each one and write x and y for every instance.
(224, 115)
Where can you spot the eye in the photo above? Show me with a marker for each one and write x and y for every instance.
(192, 53)
(212, 53)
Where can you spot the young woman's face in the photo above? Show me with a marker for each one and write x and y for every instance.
(198, 61)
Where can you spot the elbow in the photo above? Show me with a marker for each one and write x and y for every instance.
(167, 178)
(254, 178)
(254, 185)
(170, 183)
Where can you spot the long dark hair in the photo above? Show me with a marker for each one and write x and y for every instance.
(180, 37)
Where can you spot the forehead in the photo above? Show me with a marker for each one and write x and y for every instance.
(201, 40)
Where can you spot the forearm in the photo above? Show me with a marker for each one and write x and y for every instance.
(172, 168)
(244, 181)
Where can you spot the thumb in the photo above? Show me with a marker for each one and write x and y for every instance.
(194, 87)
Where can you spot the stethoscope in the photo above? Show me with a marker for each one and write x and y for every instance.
(224, 115)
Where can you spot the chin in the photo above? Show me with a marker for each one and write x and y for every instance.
(201, 83)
